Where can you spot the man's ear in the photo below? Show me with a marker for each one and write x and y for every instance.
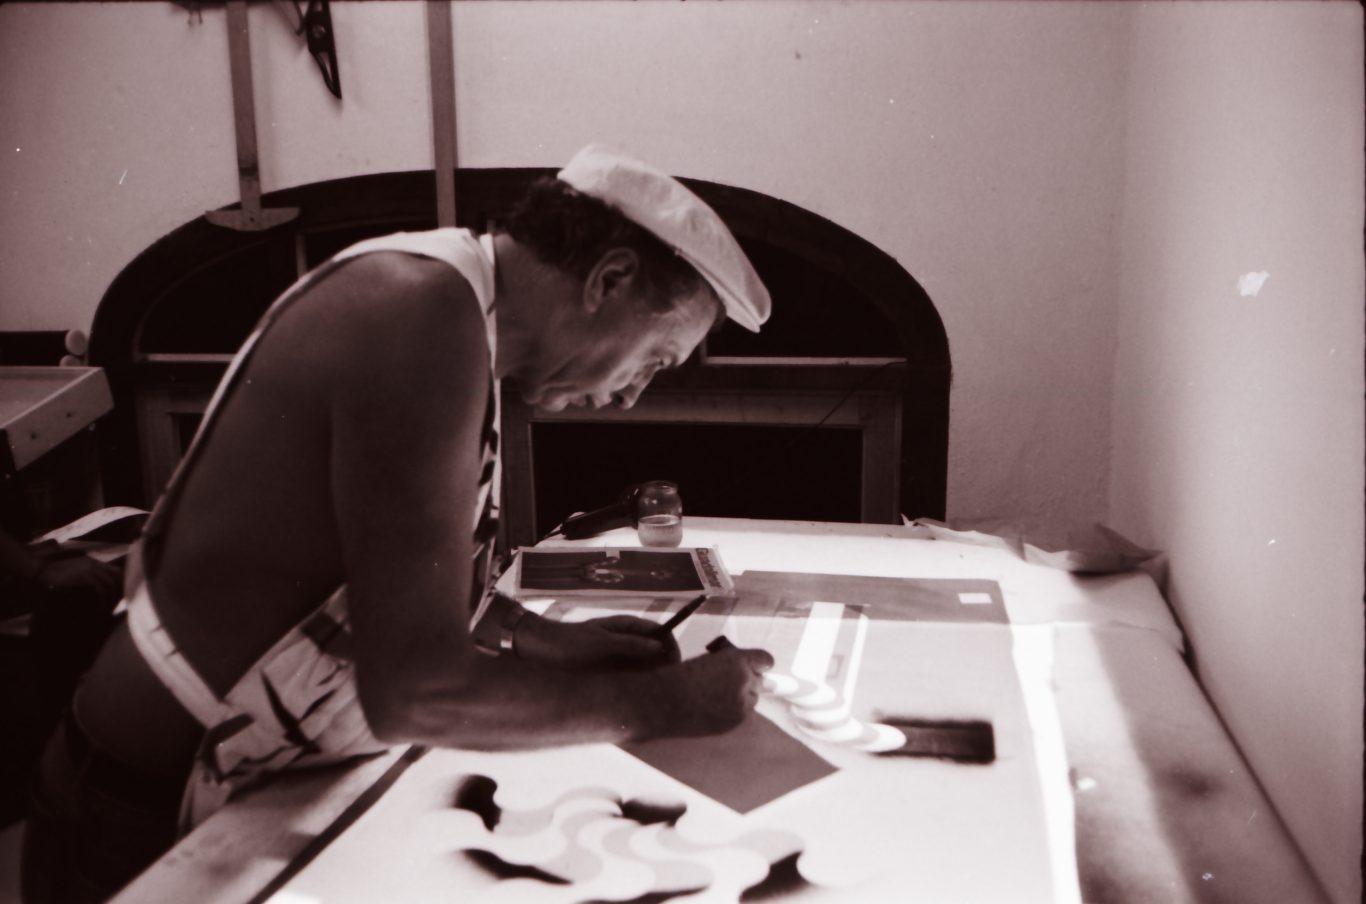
(612, 277)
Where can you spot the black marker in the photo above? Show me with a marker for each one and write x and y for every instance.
(719, 643)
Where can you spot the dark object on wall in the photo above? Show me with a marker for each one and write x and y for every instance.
(851, 330)
(315, 25)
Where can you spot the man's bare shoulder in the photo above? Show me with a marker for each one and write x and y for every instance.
(390, 308)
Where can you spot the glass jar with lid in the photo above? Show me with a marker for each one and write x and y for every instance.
(659, 514)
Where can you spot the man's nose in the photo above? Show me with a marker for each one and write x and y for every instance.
(625, 398)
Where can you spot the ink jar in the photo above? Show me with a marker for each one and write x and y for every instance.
(659, 514)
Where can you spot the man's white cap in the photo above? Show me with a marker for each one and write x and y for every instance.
(680, 219)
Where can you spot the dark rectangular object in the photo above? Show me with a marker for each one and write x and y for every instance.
(751, 765)
(610, 570)
(964, 742)
(32, 348)
(723, 470)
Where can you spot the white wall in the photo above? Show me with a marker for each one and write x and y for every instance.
(117, 126)
(1238, 420)
(977, 143)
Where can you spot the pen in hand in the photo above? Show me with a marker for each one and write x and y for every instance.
(677, 618)
(718, 644)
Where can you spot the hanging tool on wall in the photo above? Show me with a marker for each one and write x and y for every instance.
(315, 24)
(252, 217)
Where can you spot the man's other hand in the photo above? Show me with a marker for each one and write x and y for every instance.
(616, 640)
(79, 574)
(716, 691)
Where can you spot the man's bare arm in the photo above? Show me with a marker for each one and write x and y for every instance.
(407, 412)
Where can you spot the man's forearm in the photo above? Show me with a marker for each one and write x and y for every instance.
(500, 703)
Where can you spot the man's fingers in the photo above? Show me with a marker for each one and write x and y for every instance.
(627, 624)
(645, 637)
(636, 647)
(758, 660)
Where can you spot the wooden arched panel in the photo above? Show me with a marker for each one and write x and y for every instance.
(848, 319)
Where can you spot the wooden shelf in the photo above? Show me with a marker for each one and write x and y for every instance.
(42, 407)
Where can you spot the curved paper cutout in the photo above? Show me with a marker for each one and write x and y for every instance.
(599, 831)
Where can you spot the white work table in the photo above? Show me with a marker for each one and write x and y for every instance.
(1113, 779)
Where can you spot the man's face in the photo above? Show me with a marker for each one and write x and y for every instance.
(609, 356)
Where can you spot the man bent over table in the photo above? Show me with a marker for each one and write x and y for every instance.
(304, 591)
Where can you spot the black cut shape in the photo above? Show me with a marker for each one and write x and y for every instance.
(475, 793)
(783, 879)
(650, 897)
(650, 812)
(501, 870)
(970, 741)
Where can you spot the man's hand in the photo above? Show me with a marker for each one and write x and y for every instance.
(617, 640)
(712, 693)
(69, 574)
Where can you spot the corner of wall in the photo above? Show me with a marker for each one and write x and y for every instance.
(1237, 406)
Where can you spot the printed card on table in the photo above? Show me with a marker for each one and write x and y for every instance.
(609, 571)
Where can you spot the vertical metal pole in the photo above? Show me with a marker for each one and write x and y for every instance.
(251, 218)
(441, 58)
(244, 108)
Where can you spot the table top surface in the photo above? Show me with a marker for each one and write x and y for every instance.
(1113, 779)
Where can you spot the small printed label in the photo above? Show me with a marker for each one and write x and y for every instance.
(975, 599)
